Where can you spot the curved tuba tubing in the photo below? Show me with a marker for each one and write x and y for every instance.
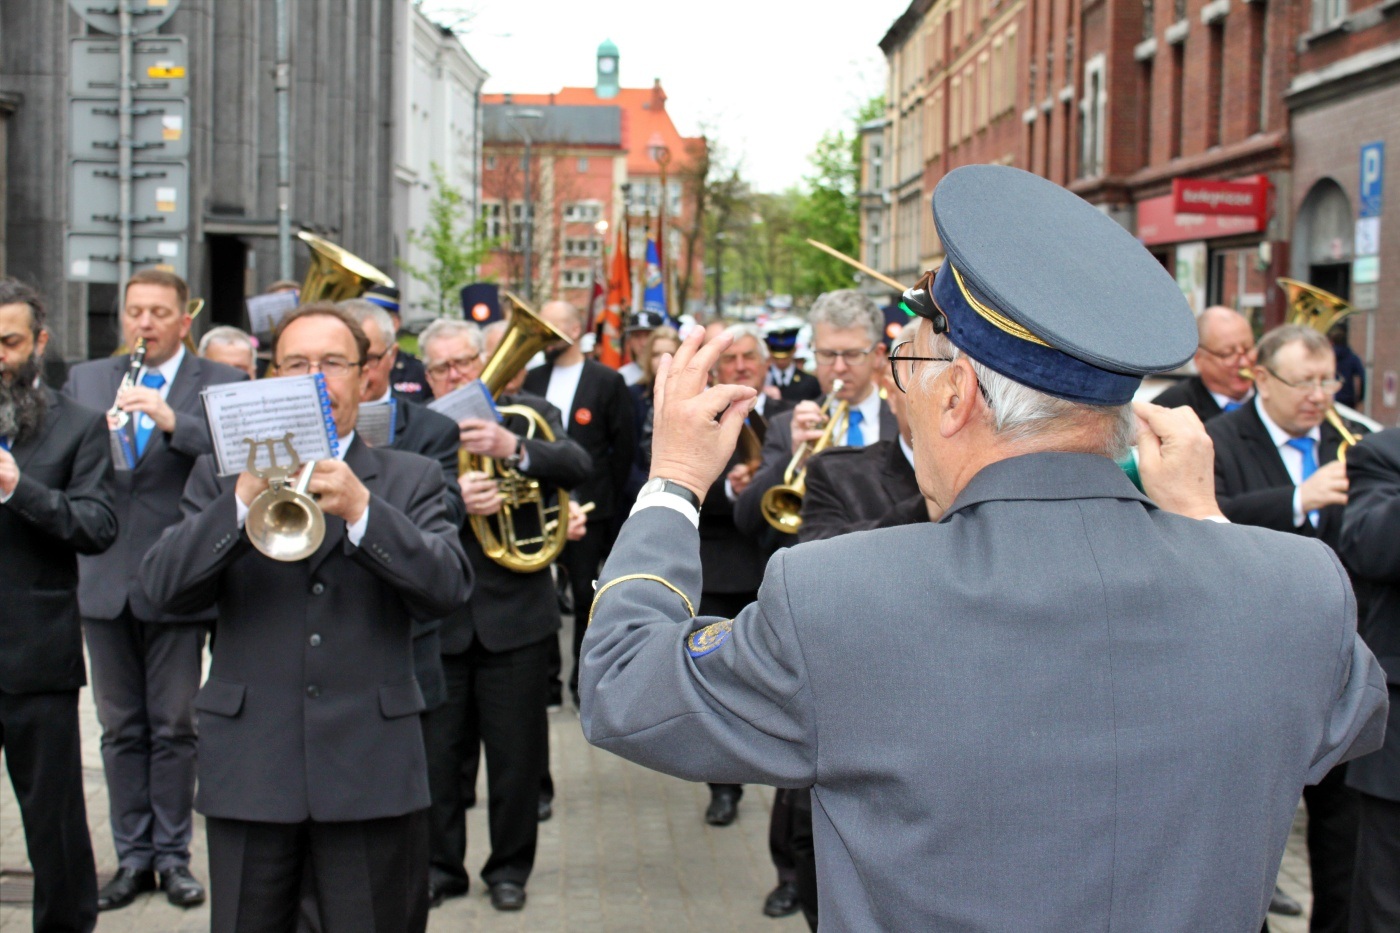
(516, 548)
(782, 505)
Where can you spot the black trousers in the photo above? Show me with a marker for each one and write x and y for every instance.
(728, 606)
(1375, 892)
(39, 735)
(497, 700)
(1333, 812)
(370, 876)
(804, 854)
(780, 828)
(581, 561)
(144, 678)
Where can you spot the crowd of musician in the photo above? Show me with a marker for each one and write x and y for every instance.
(334, 747)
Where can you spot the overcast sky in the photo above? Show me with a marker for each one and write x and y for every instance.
(767, 77)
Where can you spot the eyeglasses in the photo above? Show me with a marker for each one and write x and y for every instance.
(461, 364)
(1232, 353)
(897, 357)
(372, 358)
(333, 367)
(851, 357)
(1327, 386)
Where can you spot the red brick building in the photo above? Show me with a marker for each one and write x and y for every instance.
(589, 147)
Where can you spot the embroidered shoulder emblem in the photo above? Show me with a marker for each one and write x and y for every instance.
(707, 639)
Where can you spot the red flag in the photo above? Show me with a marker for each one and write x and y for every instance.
(619, 299)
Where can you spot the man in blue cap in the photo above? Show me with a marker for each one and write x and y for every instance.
(1058, 712)
(408, 378)
(794, 384)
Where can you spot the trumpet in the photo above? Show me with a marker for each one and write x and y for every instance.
(116, 418)
(782, 505)
(284, 522)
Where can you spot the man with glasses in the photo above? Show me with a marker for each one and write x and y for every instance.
(311, 753)
(847, 330)
(146, 661)
(1063, 706)
(1223, 357)
(1276, 467)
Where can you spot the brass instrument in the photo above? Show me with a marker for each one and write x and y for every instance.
(283, 521)
(336, 274)
(1310, 306)
(497, 534)
(116, 418)
(782, 505)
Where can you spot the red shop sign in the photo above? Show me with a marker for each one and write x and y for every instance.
(1221, 198)
(1158, 222)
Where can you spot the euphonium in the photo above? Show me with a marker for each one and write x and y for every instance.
(283, 522)
(336, 274)
(501, 541)
(782, 505)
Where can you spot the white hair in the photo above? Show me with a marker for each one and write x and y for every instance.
(445, 327)
(362, 310)
(226, 336)
(739, 331)
(847, 309)
(1019, 413)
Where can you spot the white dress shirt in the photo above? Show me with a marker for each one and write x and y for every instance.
(563, 386)
(869, 409)
(356, 531)
(1292, 459)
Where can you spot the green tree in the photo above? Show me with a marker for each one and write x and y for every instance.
(455, 246)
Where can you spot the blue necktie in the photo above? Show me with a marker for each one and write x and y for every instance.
(144, 424)
(1307, 447)
(855, 437)
(1232, 406)
(4, 442)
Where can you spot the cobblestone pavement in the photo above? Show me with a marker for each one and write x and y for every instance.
(627, 850)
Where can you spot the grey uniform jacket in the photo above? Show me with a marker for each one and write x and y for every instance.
(148, 497)
(1066, 711)
(311, 707)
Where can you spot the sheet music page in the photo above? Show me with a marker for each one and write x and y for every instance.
(264, 311)
(269, 409)
(375, 424)
(472, 400)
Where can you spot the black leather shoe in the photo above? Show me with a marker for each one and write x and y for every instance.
(723, 809)
(439, 891)
(181, 888)
(1284, 905)
(123, 888)
(781, 901)
(546, 809)
(507, 895)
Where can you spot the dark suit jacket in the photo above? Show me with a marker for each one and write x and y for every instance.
(148, 497)
(61, 507)
(733, 561)
(508, 609)
(601, 421)
(850, 489)
(1370, 546)
(1252, 483)
(777, 453)
(803, 387)
(1192, 393)
(310, 709)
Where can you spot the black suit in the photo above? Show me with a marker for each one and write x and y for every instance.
(61, 506)
(602, 421)
(857, 490)
(1254, 487)
(1370, 547)
(802, 386)
(309, 718)
(1192, 393)
(145, 671)
(495, 660)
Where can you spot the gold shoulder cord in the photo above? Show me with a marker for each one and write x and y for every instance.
(639, 576)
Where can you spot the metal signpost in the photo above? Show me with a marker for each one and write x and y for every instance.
(1366, 266)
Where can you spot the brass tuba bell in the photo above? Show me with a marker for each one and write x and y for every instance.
(283, 521)
(1310, 306)
(336, 274)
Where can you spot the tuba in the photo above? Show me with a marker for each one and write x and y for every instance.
(1310, 306)
(521, 495)
(336, 274)
(782, 505)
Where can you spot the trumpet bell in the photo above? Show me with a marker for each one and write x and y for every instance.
(285, 524)
(782, 508)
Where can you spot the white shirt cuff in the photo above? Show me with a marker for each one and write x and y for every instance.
(242, 512)
(1298, 517)
(1217, 518)
(356, 531)
(668, 500)
(729, 492)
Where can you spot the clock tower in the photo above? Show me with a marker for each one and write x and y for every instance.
(607, 70)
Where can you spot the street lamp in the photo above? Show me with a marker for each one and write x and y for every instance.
(529, 211)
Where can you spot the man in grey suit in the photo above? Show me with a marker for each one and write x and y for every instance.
(311, 752)
(146, 663)
(1033, 732)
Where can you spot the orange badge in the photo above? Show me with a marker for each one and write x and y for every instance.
(583, 416)
(480, 312)
(892, 330)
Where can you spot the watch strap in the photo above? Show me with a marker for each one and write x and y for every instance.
(676, 489)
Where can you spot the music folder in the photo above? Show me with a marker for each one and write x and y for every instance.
(294, 407)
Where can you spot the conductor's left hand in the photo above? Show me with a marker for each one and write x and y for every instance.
(339, 490)
(696, 427)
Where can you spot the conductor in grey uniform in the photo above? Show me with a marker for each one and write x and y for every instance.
(1053, 719)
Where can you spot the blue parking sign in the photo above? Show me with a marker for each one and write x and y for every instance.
(1372, 178)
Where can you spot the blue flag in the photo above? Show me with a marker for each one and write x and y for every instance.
(654, 296)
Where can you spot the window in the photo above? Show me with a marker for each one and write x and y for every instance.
(955, 117)
(1008, 71)
(491, 217)
(673, 198)
(1328, 14)
(583, 247)
(517, 226)
(1092, 110)
(968, 86)
(872, 241)
(1174, 105)
(984, 90)
(936, 120)
(574, 278)
(877, 164)
(583, 165)
(583, 212)
(1215, 80)
(490, 163)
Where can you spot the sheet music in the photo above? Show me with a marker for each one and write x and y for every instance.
(264, 311)
(376, 423)
(472, 400)
(269, 409)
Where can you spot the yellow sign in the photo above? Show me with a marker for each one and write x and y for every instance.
(157, 2)
(165, 71)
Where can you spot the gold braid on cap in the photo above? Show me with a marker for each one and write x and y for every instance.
(639, 576)
(995, 318)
